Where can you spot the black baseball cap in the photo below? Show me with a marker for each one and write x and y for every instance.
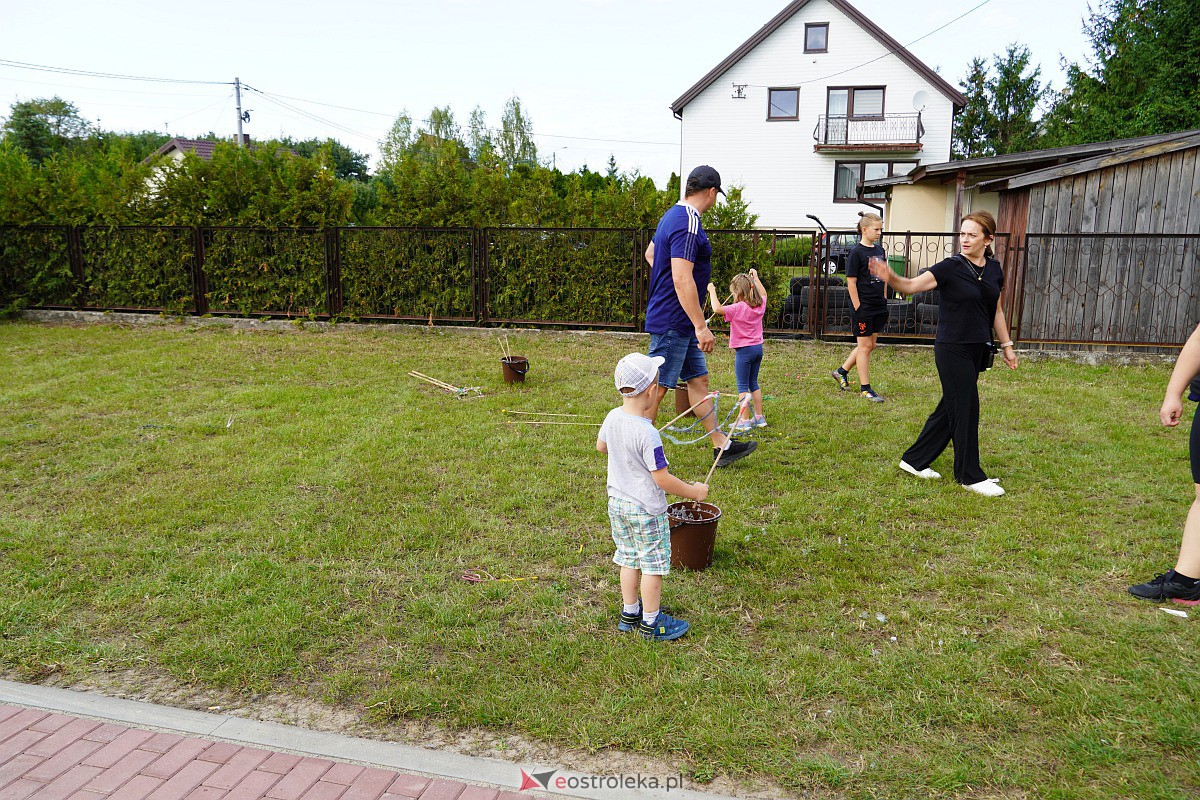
(705, 177)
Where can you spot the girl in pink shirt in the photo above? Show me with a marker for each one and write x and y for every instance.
(745, 318)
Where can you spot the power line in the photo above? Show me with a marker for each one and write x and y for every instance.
(99, 89)
(107, 75)
(306, 114)
(278, 100)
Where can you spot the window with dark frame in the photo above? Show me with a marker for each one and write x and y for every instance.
(855, 102)
(783, 104)
(816, 37)
(848, 174)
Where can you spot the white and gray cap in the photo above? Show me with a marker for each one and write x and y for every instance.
(636, 371)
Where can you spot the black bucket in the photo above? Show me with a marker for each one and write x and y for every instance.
(514, 368)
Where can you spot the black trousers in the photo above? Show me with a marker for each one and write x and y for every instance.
(956, 418)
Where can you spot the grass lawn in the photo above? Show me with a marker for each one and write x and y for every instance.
(290, 512)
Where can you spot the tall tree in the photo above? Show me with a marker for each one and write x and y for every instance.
(972, 122)
(516, 135)
(1003, 102)
(397, 142)
(479, 138)
(43, 127)
(1017, 94)
(1143, 76)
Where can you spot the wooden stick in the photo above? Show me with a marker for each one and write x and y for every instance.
(432, 380)
(708, 396)
(549, 422)
(721, 452)
(537, 413)
(714, 314)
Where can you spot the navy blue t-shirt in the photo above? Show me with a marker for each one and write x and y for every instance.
(969, 298)
(679, 235)
(871, 299)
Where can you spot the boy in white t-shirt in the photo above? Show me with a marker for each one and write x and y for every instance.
(638, 480)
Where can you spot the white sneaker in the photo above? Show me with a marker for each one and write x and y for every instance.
(920, 473)
(988, 488)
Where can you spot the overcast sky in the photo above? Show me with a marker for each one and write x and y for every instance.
(595, 76)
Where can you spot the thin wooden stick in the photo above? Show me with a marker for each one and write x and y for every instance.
(537, 413)
(714, 313)
(428, 379)
(721, 452)
(549, 422)
(708, 396)
(432, 380)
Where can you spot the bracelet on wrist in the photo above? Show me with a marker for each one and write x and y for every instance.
(1006, 344)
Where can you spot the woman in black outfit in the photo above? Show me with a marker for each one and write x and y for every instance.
(970, 284)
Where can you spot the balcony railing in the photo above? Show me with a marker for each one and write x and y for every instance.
(892, 131)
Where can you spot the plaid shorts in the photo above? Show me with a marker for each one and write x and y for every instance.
(643, 540)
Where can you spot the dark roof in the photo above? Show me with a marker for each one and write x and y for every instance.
(991, 168)
(1183, 140)
(201, 147)
(850, 11)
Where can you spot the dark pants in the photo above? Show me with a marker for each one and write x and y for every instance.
(956, 418)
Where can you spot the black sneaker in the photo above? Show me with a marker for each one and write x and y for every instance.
(1165, 587)
(735, 451)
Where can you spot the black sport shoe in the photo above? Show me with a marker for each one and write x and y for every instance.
(1165, 587)
(735, 451)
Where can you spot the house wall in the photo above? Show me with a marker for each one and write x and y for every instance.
(783, 178)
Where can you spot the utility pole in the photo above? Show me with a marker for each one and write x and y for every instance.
(237, 90)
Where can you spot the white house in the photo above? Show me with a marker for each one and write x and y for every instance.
(817, 101)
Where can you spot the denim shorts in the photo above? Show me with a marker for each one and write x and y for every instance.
(684, 360)
(643, 540)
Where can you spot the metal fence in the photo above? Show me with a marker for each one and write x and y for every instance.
(1060, 289)
(1130, 290)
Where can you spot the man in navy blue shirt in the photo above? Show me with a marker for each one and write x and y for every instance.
(680, 259)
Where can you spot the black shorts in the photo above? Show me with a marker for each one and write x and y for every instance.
(1194, 446)
(866, 322)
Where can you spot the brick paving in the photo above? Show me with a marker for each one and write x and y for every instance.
(48, 756)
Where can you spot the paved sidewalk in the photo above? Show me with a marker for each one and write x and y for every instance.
(57, 744)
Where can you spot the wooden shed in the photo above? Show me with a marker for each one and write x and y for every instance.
(1103, 250)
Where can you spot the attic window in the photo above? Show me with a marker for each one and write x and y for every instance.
(816, 37)
(783, 104)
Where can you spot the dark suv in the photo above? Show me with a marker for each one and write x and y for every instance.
(835, 249)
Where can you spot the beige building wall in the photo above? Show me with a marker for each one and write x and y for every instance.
(929, 207)
(917, 207)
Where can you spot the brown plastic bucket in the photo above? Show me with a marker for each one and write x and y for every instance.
(682, 403)
(514, 368)
(693, 534)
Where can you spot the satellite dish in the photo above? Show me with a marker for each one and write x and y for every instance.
(920, 100)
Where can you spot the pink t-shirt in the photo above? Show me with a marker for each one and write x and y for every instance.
(745, 323)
